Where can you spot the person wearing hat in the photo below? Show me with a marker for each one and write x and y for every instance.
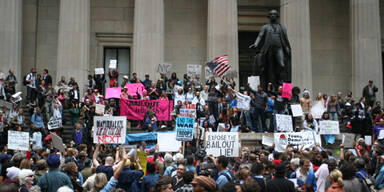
(54, 179)
(12, 175)
(279, 182)
(25, 180)
(203, 184)
(125, 81)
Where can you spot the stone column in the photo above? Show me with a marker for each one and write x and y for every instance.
(148, 37)
(10, 37)
(366, 46)
(222, 33)
(295, 16)
(73, 42)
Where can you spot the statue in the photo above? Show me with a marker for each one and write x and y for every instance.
(273, 53)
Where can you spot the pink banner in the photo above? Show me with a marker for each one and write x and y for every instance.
(287, 90)
(113, 93)
(134, 88)
(135, 109)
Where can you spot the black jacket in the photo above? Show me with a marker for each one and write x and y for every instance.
(279, 184)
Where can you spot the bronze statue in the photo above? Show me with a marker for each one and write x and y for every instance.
(273, 53)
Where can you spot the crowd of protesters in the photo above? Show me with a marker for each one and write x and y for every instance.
(84, 166)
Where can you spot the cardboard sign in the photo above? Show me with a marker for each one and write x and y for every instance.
(222, 143)
(54, 123)
(317, 110)
(142, 160)
(243, 101)
(208, 73)
(306, 138)
(18, 140)
(109, 129)
(167, 142)
(184, 128)
(99, 71)
(268, 141)
(135, 88)
(58, 143)
(283, 122)
(254, 82)
(135, 109)
(368, 139)
(112, 63)
(329, 127)
(194, 70)
(287, 90)
(187, 112)
(113, 92)
(349, 139)
(297, 111)
(100, 109)
(164, 68)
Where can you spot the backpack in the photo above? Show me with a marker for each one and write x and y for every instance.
(368, 182)
(227, 175)
(25, 82)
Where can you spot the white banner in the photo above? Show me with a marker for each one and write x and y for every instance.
(243, 101)
(253, 82)
(54, 123)
(297, 111)
(329, 127)
(100, 109)
(18, 140)
(164, 68)
(194, 70)
(99, 71)
(222, 143)
(283, 122)
(109, 129)
(306, 138)
(167, 142)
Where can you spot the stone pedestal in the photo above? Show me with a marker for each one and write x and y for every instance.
(366, 46)
(295, 16)
(10, 37)
(222, 36)
(73, 42)
(148, 37)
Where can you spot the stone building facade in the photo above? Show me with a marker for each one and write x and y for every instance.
(336, 44)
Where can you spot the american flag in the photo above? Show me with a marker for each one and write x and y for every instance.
(219, 65)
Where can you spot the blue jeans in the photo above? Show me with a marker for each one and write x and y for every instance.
(333, 116)
(259, 113)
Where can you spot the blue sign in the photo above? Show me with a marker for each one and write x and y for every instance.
(184, 128)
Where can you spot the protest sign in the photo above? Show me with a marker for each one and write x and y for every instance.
(221, 127)
(222, 143)
(317, 110)
(368, 139)
(268, 141)
(306, 138)
(99, 71)
(100, 109)
(164, 68)
(187, 112)
(243, 101)
(134, 88)
(253, 82)
(132, 150)
(58, 143)
(54, 123)
(381, 135)
(283, 122)
(18, 140)
(112, 63)
(135, 109)
(184, 128)
(167, 142)
(113, 93)
(143, 160)
(109, 129)
(297, 111)
(208, 73)
(194, 70)
(287, 90)
(329, 127)
(349, 139)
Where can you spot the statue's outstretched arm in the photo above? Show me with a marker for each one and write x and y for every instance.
(258, 39)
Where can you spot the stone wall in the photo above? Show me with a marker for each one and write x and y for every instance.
(331, 48)
(185, 31)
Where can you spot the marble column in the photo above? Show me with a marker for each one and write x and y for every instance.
(148, 37)
(222, 36)
(11, 37)
(73, 41)
(366, 46)
(294, 14)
